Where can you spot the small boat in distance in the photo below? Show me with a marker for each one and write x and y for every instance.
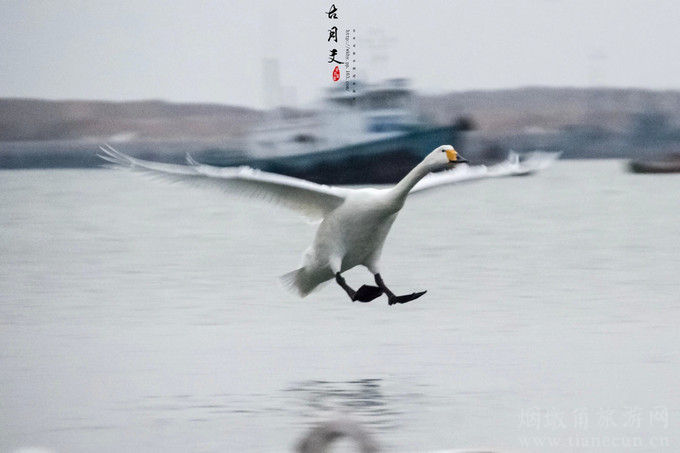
(670, 163)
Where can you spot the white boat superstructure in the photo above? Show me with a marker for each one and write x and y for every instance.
(367, 113)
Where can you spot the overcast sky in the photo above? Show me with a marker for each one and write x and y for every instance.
(213, 51)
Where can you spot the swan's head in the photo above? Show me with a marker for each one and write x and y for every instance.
(443, 157)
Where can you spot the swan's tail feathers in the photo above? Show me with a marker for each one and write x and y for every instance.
(301, 281)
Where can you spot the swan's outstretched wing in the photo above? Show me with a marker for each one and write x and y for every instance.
(537, 160)
(460, 173)
(512, 166)
(311, 200)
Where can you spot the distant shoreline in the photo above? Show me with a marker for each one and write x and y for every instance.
(583, 123)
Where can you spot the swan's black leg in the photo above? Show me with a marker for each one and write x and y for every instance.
(391, 297)
(343, 284)
(364, 294)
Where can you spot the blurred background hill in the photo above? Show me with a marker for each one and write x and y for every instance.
(500, 111)
(553, 108)
(32, 119)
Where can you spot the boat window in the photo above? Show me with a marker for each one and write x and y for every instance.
(267, 144)
(387, 100)
(304, 138)
(387, 123)
(342, 102)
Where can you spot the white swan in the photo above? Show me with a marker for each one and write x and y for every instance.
(355, 222)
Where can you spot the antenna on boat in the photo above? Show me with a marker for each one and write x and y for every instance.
(271, 71)
(271, 79)
(379, 44)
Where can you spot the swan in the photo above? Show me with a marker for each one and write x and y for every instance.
(354, 222)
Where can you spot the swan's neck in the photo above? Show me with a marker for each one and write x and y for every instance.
(399, 192)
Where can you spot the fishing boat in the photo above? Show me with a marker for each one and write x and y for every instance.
(371, 134)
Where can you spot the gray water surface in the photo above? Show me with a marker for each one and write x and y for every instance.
(137, 316)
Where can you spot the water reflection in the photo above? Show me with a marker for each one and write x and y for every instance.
(197, 407)
(567, 304)
(367, 400)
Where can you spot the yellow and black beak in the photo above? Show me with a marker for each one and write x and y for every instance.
(454, 158)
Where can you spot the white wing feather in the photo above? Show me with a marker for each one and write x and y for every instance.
(460, 173)
(313, 201)
(512, 166)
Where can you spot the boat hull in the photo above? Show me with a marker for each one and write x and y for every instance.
(658, 166)
(377, 162)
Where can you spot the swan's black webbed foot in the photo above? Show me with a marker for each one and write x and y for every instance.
(403, 299)
(364, 294)
(393, 298)
(367, 293)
